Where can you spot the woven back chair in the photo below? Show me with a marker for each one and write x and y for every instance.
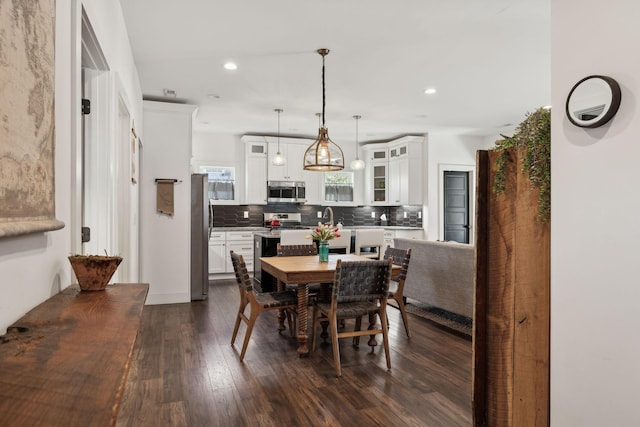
(301, 250)
(258, 303)
(297, 250)
(396, 287)
(359, 288)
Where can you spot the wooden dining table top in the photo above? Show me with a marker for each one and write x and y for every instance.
(309, 269)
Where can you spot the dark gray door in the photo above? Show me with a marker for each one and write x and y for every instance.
(456, 206)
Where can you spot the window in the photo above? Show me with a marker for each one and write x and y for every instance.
(338, 187)
(221, 182)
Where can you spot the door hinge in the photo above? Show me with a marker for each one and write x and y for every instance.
(86, 106)
(86, 234)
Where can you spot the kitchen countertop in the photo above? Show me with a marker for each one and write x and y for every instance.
(239, 229)
(273, 234)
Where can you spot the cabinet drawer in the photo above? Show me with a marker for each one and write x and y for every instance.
(242, 248)
(217, 235)
(240, 235)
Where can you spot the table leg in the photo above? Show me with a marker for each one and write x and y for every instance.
(281, 314)
(303, 304)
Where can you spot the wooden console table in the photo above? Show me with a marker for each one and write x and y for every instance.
(66, 361)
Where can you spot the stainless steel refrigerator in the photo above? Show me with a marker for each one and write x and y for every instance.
(201, 223)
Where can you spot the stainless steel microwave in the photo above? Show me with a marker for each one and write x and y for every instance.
(286, 192)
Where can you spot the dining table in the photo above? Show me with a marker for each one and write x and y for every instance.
(301, 271)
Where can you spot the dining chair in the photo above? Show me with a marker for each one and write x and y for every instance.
(342, 242)
(294, 237)
(300, 250)
(258, 302)
(359, 288)
(369, 238)
(400, 257)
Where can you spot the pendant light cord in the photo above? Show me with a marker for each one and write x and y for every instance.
(323, 92)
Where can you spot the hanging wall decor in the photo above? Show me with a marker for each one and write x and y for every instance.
(27, 202)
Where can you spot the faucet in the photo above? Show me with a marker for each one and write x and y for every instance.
(324, 215)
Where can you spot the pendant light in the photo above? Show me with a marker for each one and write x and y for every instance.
(323, 155)
(357, 164)
(278, 159)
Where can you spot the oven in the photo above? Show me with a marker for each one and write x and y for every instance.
(286, 192)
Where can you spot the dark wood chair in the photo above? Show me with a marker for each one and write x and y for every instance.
(400, 257)
(301, 250)
(359, 288)
(258, 302)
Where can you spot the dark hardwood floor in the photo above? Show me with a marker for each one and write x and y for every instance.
(185, 373)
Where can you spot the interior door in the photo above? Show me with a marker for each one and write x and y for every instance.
(456, 206)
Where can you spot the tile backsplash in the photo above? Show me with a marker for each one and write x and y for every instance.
(233, 216)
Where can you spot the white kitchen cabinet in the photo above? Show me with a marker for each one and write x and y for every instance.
(313, 182)
(406, 154)
(255, 192)
(217, 253)
(240, 242)
(377, 175)
(389, 235)
(394, 175)
(293, 168)
(399, 175)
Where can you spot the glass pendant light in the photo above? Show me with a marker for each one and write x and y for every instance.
(323, 155)
(357, 164)
(278, 159)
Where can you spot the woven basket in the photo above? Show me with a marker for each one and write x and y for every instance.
(94, 271)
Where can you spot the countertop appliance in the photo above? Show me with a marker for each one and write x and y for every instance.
(286, 192)
(201, 224)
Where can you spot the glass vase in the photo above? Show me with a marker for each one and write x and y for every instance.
(323, 251)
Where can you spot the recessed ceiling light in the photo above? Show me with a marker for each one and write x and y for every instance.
(213, 96)
(230, 66)
(430, 91)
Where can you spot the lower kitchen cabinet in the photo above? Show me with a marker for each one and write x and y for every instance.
(220, 243)
(217, 253)
(240, 242)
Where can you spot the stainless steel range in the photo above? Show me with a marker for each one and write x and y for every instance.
(282, 220)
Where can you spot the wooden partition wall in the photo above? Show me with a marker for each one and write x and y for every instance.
(511, 307)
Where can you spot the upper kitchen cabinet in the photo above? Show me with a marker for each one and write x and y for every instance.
(376, 174)
(255, 170)
(293, 153)
(394, 173)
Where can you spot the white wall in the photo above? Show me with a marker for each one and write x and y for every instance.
(34, 267)
(457, 152)
(165, 251)
(595, 290)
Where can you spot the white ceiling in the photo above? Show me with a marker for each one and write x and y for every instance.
(488, 59)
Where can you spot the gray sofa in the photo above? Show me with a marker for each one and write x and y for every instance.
(441, 274)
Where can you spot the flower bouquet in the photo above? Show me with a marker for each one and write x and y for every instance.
(323, 233)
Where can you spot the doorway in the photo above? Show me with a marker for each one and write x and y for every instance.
(456, 202)
(456, 206)
(108, 195)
